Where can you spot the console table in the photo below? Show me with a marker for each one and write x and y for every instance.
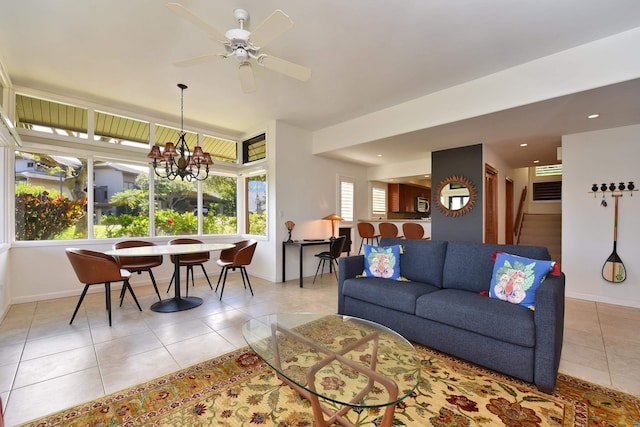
(300, 244)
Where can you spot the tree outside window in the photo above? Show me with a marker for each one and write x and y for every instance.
(50, 194)
(257, 205)
(50, 198)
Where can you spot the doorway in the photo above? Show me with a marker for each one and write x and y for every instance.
(508, 211)
(490, 204)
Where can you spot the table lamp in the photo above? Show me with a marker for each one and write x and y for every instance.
(289, 225)
(333, 218)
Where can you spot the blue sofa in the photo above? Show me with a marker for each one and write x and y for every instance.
(441, 306)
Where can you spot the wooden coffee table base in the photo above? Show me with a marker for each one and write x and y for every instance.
(319, 410)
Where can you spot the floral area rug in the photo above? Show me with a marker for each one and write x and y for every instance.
(238, 389)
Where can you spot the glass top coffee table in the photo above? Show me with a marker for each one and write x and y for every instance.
(344, 361)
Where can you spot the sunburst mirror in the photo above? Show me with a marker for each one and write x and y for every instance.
(455, 196)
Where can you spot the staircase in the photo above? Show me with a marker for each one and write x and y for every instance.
(543, 230)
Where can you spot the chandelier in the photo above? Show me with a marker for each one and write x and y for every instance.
(177, 160)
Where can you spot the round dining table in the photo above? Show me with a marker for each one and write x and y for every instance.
(178, 302)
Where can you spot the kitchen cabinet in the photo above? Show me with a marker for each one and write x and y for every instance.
(402, 197)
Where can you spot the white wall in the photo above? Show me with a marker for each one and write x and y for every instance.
(306, 192)
(599, 63)
(41, 270)
(520, 178)
(587, 228)
(399, 170)
(5, 296)
(492, 158)
(6, 209)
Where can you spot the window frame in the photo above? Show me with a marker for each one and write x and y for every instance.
(385, 202)
(345, 209)
(247, 196)
(87, 147)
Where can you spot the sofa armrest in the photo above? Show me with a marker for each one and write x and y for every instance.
(348, 268)
(549, 321)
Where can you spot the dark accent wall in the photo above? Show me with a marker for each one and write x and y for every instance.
(467, 162)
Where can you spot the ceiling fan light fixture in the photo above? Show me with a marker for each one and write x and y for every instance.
(177, 159)
(246, 45)
(241, 54)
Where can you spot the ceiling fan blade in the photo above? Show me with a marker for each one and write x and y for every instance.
(290, 69)
(182, 11)
(271, 28)
(246, 78)
(197, 60)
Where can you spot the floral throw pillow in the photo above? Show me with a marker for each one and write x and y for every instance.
(515, 279)
(382, 261)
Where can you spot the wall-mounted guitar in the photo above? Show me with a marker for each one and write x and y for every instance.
(613, 269)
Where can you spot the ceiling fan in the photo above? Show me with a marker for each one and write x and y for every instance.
(245, 45)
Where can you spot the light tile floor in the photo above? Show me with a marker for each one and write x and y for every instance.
(47, 365)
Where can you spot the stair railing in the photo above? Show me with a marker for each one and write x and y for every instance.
(520, 214)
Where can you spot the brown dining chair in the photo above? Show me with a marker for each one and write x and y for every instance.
(413, 231)
(190, 260)
(138, 264)
(389, 229)
(367, 232)
(237, 257)
(332, 255)
(93, 268)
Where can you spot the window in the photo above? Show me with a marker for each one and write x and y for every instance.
(55, 186)
(256, 203)
(120, 199)
(254, 149)
(220, 149)
(346, 201)
(120, 130)
(175, 204)
(219, 205)
(378, 200)
(551, 190)
(458, 202)
(549, 170)
(50, 197)
(51, 117)
(166, 134)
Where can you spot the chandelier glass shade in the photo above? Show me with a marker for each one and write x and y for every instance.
(177, 160)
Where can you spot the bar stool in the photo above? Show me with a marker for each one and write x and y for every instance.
(413, 231)
(389, 229)
(367, 232)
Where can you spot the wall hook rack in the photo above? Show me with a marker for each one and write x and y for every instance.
(616, 190)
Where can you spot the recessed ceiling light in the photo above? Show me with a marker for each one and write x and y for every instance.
(524, 144)
(536, 161)
(379, 155)
(593, 116)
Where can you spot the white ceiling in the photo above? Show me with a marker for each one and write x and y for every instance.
(366, 55)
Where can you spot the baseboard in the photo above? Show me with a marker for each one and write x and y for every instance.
(600, 298)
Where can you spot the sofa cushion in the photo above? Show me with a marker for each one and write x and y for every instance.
(396, 295)
(489, 317)
(421, 260)
(382, 261)
(469, 265)
(515, 279)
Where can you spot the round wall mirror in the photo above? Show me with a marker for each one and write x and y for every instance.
(455, 196)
